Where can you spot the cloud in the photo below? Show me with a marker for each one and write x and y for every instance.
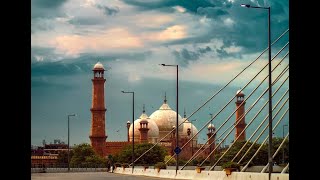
(211, 12)
(111, 39)
(184, 56)
(153, 20)
(180, 9)
(46, 8)
(233, 49)
(228, 22)
(170, 33)
(165, 4)
(108, 10)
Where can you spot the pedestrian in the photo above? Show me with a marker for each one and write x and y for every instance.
(111, 168)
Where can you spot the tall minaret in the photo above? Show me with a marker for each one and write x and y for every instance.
(211, 132)
(98, 110)
(239, 114)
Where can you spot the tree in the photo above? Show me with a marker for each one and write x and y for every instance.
(260, 159)
(63, 157)
(84, 156)
(276, 141)
(155, 155)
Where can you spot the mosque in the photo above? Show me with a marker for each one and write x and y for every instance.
(151, 129)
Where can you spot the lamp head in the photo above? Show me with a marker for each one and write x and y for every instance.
(245, 5)
(122, 91)
(162, 64)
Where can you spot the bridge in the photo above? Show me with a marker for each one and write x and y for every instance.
(258, 124)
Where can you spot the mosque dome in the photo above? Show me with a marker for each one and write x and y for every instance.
(240, 93)
(165, 118)
(98, 66)
(153, 133)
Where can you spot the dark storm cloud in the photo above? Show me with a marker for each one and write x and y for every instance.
(185, 56)
(85, 21)
(191, 6)
(68, 66)
(48, 3)
(46, 8)
(211, 12)
(108, 10)
(40, 24)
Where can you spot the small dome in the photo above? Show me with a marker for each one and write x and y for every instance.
(153, 133)
(211, 126)
(193, 129)
(98, 66)
(240, 93)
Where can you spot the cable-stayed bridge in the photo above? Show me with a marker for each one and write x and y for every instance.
(251, 143)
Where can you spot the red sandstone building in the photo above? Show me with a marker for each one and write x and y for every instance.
(151, 128)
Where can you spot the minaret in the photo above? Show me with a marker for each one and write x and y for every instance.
(98, 110)
(211, 132)
(143, 129)
(239, 114)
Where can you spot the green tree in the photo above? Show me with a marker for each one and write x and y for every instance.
(63, 157)
(260, 159)
(155, 155)
(276, 141)
(84, 156)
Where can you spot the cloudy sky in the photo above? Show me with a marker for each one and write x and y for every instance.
(210, 40)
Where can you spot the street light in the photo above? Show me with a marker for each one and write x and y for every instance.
(69, 140)
(132, 127)
(177, 123)
(270, 84)
(283, 138)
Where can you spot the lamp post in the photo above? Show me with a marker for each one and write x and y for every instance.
(132, 127)
(128, 126)
(69, 140)
(270, 84)
(177, 104)
(283, 138)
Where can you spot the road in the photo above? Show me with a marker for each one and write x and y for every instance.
(87, 176)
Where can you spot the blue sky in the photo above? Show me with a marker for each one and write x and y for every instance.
(210, 40)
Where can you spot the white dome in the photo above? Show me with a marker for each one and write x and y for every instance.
(240, 93)
(165, 118)
(211, 126)
(98, 66)
(153, 133)
(193, 129)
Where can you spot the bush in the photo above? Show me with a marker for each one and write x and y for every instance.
(194, 162)
(231, 165)
(171, 162)
(160, 165)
